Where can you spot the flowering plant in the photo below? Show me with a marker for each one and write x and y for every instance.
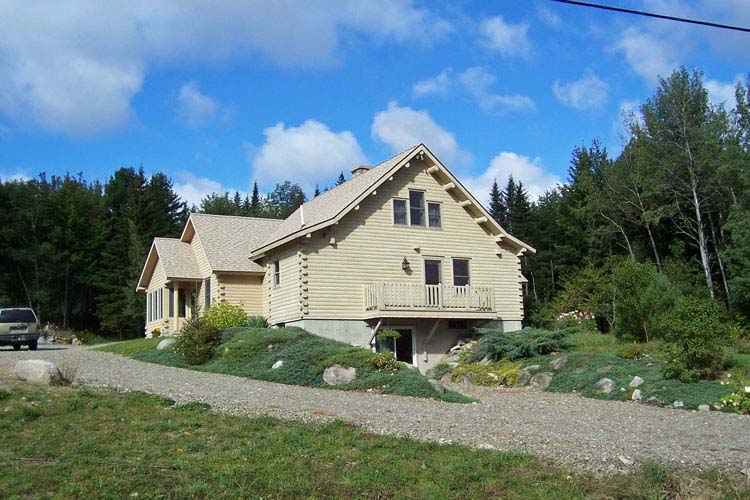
(739, 399)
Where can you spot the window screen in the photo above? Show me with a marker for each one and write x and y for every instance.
(433, 214)
(416, 208)
(460, 272)
(399, 212)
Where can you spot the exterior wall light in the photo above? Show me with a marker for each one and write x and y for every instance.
(405, 264)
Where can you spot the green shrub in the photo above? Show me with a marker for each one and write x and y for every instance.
(224, 315)
(256, 322)
(502, 372)
(197, 340)
(631, 350)
(695, 340)
(594, 342)
(739, 399)
(496, 344)
(440, 370)
(643, 299)
(384, 362)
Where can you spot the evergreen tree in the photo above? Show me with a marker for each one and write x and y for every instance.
(497, 208)
(255, 205)
(284, 200)
(317, 191)
(341, 179)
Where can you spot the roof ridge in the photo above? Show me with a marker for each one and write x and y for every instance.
(236, 216)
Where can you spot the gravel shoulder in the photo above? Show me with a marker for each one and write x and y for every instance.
(588, 434)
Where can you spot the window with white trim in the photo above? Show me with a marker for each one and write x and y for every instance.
(433, 215)
(461, 272)
(416, 208)
(276, 273)
(399, 212)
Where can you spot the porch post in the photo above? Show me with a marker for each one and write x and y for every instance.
(175, 305)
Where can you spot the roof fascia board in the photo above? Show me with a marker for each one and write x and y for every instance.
(139, 287)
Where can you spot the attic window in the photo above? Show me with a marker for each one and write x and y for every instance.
(433, 214)
(416, 208)
(399, 212)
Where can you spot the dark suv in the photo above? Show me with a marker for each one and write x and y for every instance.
(18, 326)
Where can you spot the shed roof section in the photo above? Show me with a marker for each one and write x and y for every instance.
(227, 240)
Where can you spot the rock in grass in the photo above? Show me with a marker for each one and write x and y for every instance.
(437, 385)
(37, 371)
(604, 369)
(636, 382)
(678, 404)
(277, 364)
(533, 368)
(523, 377)
(606, 385)
(166, 344)
(636, 395)
(704, 408)
(558, 363)
(541, 380)
(338, 375)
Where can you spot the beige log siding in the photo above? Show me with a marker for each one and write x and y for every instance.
(370, 248)
(157, 282)
(242, 290)
(285, 300)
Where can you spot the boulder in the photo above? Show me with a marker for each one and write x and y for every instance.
(523, 377)
(704, 408)
(653, 400)
(437, 385)
(166, 344)
(541, 380)
(558, 363)
(678, 404)
(486, 361)
(580, 369)
(75, 340)
(467, 379)
(337, 375)
(636, 395)
(606, 385)
(278, 364)
(636, 382)
(37, 371)
(604, 369)
(533, 368)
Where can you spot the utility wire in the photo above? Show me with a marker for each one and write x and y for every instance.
(652, 14)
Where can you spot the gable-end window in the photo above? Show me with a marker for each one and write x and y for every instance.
(416, 208)
(433, 214)
(399, 212)
(276, 273)
(207, 292)
(461, 272)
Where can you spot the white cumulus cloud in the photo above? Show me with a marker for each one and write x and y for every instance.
(722, 92)
(193, 189)
(402, 127)
(195, 108)
(650, 56)
(74, 67)
(439, 85)
(510, 40)
(585, 93)
(15, 176)
(309, 154)
(530, 172)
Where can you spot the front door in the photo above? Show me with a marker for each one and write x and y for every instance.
(404, 346)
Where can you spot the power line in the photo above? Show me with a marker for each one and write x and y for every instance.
(652, 14)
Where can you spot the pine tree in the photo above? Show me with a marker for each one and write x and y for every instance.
(317, 191)
(341, 179)
(255, 207)
(508, 199)
(497, 208)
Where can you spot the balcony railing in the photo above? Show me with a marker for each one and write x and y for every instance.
(389, 296)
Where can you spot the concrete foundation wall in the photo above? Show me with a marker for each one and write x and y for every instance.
(355, 332)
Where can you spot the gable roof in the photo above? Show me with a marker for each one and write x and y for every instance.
(176, 259)
(327, 208)
(226, 239)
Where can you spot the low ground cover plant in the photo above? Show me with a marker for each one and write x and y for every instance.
(497, 344)
(252, 353)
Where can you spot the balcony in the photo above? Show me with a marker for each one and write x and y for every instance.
(389, 296)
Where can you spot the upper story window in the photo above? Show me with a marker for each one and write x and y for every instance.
(399, 212)
(461, 272)
(433, 215)
(276, 273)
(416, 208)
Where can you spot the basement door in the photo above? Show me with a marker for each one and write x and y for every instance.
(405, 345)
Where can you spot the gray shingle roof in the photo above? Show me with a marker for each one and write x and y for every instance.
(329, 204)
(176, 258)
(228, 240)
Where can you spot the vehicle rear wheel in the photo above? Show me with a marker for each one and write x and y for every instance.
(16, 347)
(32, 345)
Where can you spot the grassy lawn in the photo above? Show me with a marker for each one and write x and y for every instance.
(250, 352)
(78, 443)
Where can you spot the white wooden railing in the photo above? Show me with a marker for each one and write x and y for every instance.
(390, 296)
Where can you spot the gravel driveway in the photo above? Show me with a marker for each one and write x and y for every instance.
(599, 436)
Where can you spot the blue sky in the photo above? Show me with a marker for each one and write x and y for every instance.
(217, 97)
